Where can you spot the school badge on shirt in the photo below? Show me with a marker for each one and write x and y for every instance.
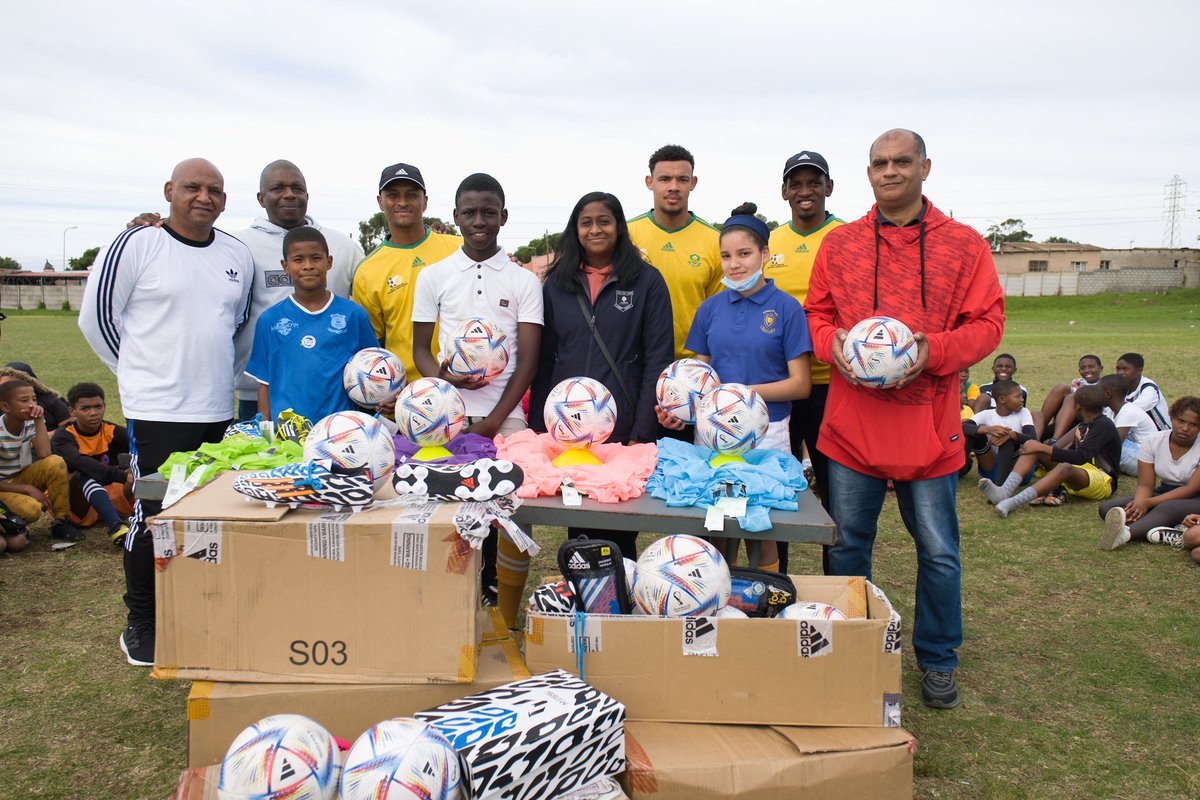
(337, 323)
(769, 319)
(624, 300)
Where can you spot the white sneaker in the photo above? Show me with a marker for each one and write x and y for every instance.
(1168, 535)
(1116, 532)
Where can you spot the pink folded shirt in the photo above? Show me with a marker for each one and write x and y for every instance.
(621, 476)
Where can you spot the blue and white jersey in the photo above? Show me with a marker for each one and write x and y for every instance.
(300, 354)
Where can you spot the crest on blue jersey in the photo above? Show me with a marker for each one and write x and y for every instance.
(284, 326)
(337, 322)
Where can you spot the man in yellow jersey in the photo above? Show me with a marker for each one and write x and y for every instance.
(806, 184)
(683, 247)
(386, 280)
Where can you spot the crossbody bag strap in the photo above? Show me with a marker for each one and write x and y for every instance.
(591, 321)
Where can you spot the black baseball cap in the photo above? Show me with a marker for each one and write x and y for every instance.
(401, 172)
(806, 158)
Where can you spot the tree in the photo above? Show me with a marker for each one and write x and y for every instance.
(371, 231)
(1011, 230)
(1059, 240)
(84, 261)
(9, 263)
(537, 247)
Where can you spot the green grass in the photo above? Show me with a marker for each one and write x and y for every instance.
(1077, 669)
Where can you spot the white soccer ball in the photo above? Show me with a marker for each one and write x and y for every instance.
(286, 755)
(580, 412)
(880, 350)
(402, 759)
(350, 440)
(430, 412)
(732, 419)
(810, 611)
(681, 576)
(477, 347)
(682, 384)
(372, 375)
(732, 612)
(630, 577)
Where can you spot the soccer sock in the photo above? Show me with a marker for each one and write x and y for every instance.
(992, 492)
(1011, 483)
(772, 567)
(512, 567)
(98, 498)
(1020, 499)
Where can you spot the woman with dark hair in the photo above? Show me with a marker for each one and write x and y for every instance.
(600, 290)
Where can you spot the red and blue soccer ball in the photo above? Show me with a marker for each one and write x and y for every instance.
(405, 759)
(478, 348)
(681, 386)
(351, 440)
(681, 576)
(372, 375)
(285, 755)
(580, 412)
(880, 350)
(430, 412)
(732, 419)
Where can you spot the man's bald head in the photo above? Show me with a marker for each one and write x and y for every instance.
(196, 193)
(918, 143)
(283, 192)
(281, 164)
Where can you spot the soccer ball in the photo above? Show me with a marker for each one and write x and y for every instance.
(477, 347)
(810, 611)
(430, 412)
(404, 759)
(732, 612)
(372, 375)
(682, 384)
(286, 755)
(681, 576)
(880, 350)
(350, 440)
(630, 577)
(580, 412)
(731, 419)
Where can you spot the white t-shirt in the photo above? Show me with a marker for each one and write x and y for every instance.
(1014, 422)
(1149, 398)
(1130, 416)
(458, 288)
(16, 450)
(161, 311)
(1156, 450)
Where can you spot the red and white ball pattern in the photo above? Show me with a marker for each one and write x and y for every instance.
(880, 350)
(681, 576)
(681, 386)
(373, 375)
(430, 412)
(810, 611)
(477, 347)
(580, 412)
(402, 759)
(732, 419)
(285, 755)
(349, 440)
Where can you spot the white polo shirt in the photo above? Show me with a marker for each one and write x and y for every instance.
(1130, 416)
(1156, 450)
(458, 288)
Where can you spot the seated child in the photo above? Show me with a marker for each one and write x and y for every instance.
(1004, 366)
(302, 343)
(1191, 535)
(1143, 392)
(1133, 424)
(968, 393)
(32, 479)
(101, 488)
(996, 433)
(1089, 468)
(56, 412)
(1059, 406)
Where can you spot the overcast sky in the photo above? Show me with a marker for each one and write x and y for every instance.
(1070, 115)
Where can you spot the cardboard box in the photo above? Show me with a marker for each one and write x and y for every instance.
(217, 712)
(743, 671)
(543, 737)
(685, 762)
(387, 595)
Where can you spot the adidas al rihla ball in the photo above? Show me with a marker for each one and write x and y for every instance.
(372, 375)
(477, 347)
(681, 386)
(430, 412)
(350, 440)
(880, 350)
(681, 576)
(732, 419)
(285, 755)
(580, 412)
(402, 759)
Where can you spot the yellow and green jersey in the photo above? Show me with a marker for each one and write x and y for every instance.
(385, 282)
(791, 264)
(689, 259)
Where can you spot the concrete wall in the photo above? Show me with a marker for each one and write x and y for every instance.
(52, 295)
(1047, 284)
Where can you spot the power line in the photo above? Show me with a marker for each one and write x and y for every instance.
(1176, 189)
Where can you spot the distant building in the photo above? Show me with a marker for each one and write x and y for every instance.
(28, 289)
(1017, 257)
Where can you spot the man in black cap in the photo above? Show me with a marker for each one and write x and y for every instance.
(806, 184)
(385, 281)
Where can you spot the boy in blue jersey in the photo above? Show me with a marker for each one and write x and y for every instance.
(302, 343)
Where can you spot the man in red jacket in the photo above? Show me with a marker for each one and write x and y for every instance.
(905, 259)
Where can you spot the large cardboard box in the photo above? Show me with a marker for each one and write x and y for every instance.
(217, 712)
(685, 762)
(247, 593)
(542, 738)
(744, 671)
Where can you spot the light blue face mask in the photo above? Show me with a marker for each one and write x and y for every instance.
(744, 285)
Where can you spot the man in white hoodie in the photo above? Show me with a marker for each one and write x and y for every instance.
(283, 193)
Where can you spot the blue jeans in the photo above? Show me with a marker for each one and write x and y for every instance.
(928, 510)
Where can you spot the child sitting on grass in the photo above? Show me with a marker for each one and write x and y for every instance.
(1133, 425)
(31, 478)
(1089, 468)
(1058, 409)
(996, 433)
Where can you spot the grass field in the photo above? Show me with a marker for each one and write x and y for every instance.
(1078, 670)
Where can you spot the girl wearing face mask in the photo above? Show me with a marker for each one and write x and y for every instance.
(752, 332)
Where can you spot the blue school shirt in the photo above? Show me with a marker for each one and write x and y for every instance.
(750, 339)
(300, 354)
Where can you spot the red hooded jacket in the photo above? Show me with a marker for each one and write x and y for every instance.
(938, 278)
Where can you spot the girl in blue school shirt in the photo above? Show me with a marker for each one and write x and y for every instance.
(753, 333)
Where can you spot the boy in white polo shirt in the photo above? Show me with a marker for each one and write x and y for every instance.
(479, 280)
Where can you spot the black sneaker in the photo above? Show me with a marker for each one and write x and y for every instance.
(66, 531)
(480, 480)
(939, 689)
(137, 642)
